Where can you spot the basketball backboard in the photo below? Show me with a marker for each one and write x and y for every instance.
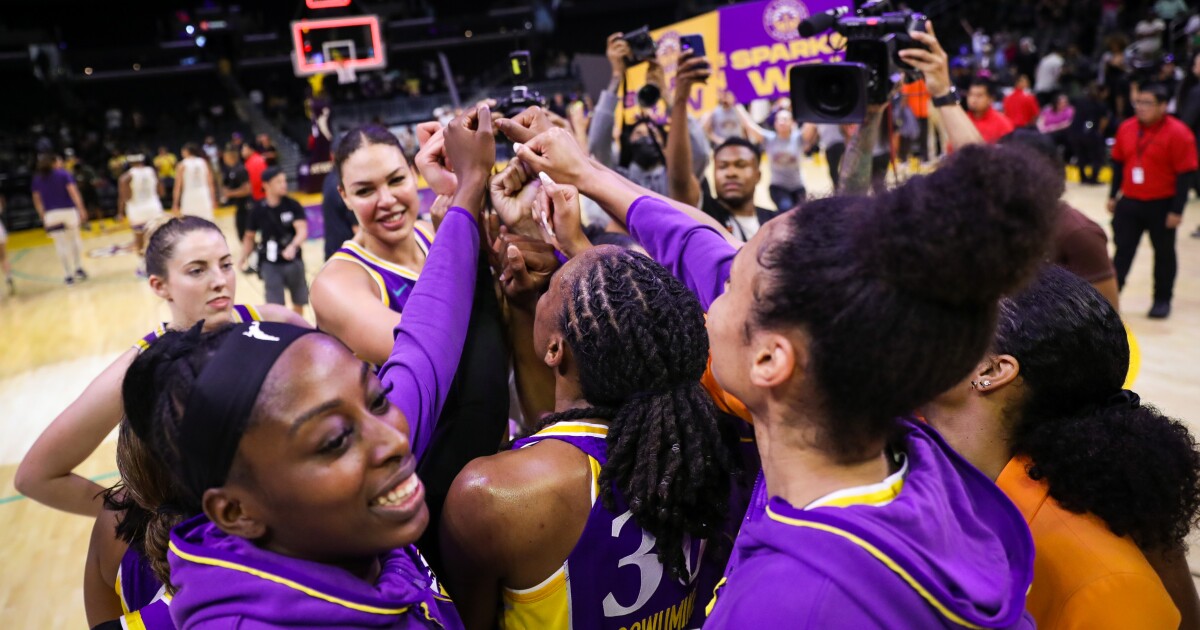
(323, 46)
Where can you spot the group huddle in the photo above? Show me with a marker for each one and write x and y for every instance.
(880, 412)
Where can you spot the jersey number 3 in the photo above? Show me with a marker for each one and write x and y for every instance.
(648, 566)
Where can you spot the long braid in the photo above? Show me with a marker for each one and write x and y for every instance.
(640, 342)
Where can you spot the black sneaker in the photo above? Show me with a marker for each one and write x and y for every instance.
(81, 274)
(1160, 310)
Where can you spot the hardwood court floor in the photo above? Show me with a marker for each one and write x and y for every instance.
(56, 339)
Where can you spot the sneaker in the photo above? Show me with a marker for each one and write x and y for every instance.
(1160, 310)
(81, 274)
(69, 280)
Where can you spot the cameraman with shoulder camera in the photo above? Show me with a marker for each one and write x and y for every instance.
(934, 65)
(642, 147)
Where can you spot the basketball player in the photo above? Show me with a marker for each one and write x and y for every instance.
(57, 201)
(805, 336)
(630, 469)
(361, 292)
(293, 459)
(195, 192)
(1044, 415)
(190, 267)
(139, 198)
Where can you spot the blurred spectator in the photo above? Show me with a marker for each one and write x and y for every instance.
(1088, 129)
(723, 121)
(1020, 106)
(917, 98)
(992, 125)
(785, 150)
(164, 163)
(267, 148)
(255, 165)
(1055, 120)
(1046, 77)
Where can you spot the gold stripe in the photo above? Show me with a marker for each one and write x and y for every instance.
(574, 429)
(713, 602)
(882, 557)
(133, 621)
(383, 292)
(254, 314)
(882, 496)
(285, 582)
(392, 267)
(120, 594)
(428, 234)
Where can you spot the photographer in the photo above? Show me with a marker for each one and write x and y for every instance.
(934, 64)
(642, 153)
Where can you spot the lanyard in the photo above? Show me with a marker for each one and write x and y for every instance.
(1141, 146)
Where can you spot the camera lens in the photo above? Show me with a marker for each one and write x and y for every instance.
(833, 94)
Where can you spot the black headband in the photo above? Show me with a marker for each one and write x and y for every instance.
(219, 406)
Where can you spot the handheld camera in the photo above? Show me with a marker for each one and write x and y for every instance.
(521, 96)
(840, 92)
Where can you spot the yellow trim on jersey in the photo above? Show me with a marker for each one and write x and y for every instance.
(254, 314)
(392, 267)
(876, 494)
(133, 621)
(543, 606)
(270, 577)
(882, 557)
(574, 429)
(713, 602)
(379, 282)
(120, 593)
(141, 345)
(429, 234)
(595, 466)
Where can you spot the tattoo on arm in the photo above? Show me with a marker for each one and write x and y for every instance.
(855, 171)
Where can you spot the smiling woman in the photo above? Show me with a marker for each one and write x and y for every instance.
(359, 295)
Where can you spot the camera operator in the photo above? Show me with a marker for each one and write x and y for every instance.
(934, 64)
(642, 152)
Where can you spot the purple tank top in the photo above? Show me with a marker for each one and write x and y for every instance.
(613, 573)
(241, 313)
(143, 597)
(394, 281)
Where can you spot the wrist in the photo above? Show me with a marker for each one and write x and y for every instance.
(470, 193)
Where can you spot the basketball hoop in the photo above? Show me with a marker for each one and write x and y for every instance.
(345, 73)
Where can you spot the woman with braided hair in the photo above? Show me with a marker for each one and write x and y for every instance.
(1098, 476)
(831, 325)
(607, 516)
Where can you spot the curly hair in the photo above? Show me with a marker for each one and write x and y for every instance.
(639, 339)
(898, 292)
(1128, 464)
(155, 391)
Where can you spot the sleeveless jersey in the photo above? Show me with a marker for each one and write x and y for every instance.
(612, 579)
(144, 600)
(195, 198)
(143, 191)
(395, 282)
(241, 313)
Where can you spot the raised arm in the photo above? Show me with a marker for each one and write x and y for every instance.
(935, 65)
(430, 341)
(45, 474)
(682, 184)
(600, 131)
(752, 129)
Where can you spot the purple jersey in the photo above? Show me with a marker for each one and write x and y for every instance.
(612, 579)
(395, 282)
(52, 187)
(144, 600)
(241, 313)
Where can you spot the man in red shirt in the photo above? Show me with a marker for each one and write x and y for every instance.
(255, 164)
(1154, 159)
(992, 125)
(1020, 106)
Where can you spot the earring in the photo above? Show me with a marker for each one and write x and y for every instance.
(974, 385)
(986, 384)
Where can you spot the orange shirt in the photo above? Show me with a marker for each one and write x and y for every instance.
(1084, 575)
(724, 400)
(918, 97)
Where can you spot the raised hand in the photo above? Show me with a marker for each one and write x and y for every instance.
(437, 211)
(692, 70)
(560, 217)
(471, 147)
(932, 63)
(513, 194)
(431, 160)
(618, 49)
(525, 267)
(524, 126)
(556, 153)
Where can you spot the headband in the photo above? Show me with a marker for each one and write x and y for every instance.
(220, 403)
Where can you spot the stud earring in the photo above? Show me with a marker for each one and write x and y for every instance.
(974, 385)
(986, 384)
